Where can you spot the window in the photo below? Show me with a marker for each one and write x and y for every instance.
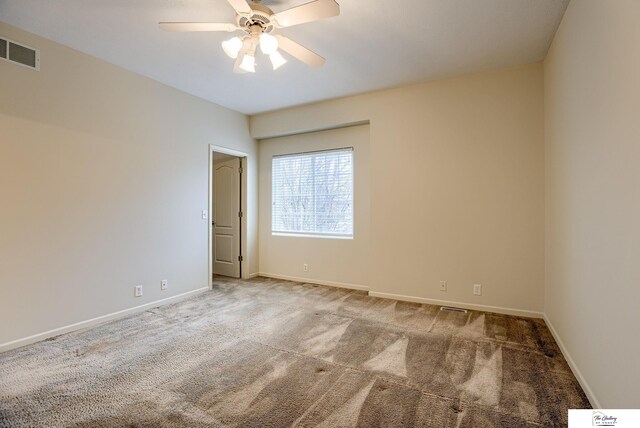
(313, 193)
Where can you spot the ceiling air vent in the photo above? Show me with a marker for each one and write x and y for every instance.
(19, 54)
(3, 48)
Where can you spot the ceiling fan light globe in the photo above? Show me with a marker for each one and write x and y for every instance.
(232, 47)
(268, 44)
(248, 64)
(277, 60)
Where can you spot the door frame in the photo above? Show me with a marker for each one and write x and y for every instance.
(244, 271)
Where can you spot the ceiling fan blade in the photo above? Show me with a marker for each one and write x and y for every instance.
(241, 6)
(299, 52)
(314, 11)
(197, 26)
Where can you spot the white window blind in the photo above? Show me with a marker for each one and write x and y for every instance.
(313, 193)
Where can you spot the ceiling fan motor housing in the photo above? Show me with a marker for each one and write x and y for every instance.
(261, 15)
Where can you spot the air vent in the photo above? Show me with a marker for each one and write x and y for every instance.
(18, 53)
(3, 48)
(451, 309)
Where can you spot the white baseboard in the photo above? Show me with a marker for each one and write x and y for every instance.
(253, 275)
(574, 368)
(315, 281)
(484, 308)
(95, 321)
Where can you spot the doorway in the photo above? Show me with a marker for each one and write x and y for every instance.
(227, 212)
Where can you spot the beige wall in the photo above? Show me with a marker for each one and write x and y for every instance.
(103, 177)
(457, 184)
(343, 262)
(592, 106)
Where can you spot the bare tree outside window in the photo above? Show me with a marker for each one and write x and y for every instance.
(313, 193)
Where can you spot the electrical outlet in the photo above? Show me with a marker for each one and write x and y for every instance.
(443, 285)
(477, 289)
(137, 292)
(305, 267)
(164, 284)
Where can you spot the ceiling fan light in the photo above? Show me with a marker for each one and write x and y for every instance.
(232, 46)
(268, 44)
(277, 60)
(248, 64)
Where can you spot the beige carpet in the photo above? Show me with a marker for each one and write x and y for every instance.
(268, 353)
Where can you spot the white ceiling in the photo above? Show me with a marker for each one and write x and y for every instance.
(373, 44)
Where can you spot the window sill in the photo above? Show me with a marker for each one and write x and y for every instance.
(309, 235)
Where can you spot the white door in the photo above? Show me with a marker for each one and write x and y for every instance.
(226, 219)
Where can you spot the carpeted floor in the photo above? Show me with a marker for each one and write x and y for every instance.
(268, 353)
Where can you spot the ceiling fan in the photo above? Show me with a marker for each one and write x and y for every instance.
(258, 21)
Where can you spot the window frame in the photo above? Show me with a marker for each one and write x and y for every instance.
(307, 234)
